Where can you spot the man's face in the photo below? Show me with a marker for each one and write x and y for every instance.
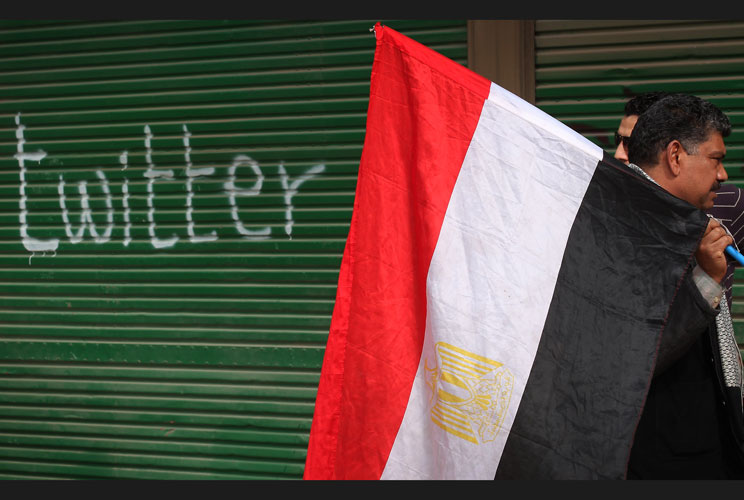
(624, 130)
(701, 173)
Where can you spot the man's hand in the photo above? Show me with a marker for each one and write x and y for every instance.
(710, 252)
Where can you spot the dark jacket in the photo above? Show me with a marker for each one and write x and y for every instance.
(691, 426)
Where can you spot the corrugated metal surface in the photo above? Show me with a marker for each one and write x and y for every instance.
(175, 201)
(587, 70)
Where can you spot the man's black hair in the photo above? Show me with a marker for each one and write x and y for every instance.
(642, 102)
(686, 118)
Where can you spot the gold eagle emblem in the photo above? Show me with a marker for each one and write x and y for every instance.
(469, 393)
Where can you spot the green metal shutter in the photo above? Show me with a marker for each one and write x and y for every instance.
(175, 201)
(587, 70)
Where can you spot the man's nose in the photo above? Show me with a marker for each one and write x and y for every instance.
(722, 175)
(621, 154)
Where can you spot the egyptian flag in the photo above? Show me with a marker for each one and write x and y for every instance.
(503, 289)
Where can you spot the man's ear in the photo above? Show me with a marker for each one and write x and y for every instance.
(672, 152)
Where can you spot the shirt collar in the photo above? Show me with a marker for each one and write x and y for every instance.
(638, 169)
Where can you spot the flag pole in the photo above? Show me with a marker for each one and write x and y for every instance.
(735, 254)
